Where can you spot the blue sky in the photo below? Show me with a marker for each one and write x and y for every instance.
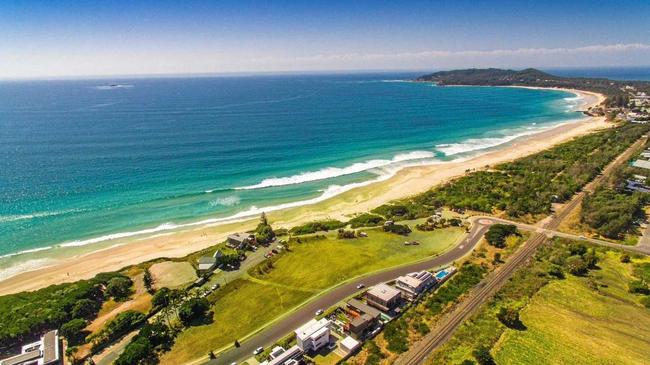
(73, 38)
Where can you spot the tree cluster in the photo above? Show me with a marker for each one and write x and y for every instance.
(497, 234)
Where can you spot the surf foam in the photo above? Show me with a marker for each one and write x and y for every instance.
(331, 172)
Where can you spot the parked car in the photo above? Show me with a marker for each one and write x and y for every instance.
(361, 286)
(319, 312)
(215, 287)
(268, 255)
(274, 251)
(258, 350)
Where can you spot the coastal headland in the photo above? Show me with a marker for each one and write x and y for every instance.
(119, 253)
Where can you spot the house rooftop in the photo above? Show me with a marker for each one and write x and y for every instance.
(207, 260)
(383, 292)
(312, 327)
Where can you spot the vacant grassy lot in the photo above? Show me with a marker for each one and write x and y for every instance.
(172, 274)
(246, 304)
(568, 322)
(319, 264)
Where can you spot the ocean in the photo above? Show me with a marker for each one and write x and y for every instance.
(84, 161)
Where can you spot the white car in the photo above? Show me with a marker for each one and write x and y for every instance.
(319, 312)
(361, 286)
(258, 351)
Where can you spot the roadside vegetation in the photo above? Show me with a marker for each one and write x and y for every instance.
(576, 285)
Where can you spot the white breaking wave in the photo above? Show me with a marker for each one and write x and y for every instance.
(330, 172)
(20, 217)
(478, 144)
(26, 251)
(114, 236)
(228, 201)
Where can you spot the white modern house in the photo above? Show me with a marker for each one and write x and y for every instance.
(313, 335)
(413, 284)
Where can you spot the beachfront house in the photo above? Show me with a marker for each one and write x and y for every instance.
(207, 263)
(280, 356)
(383, 297)
(46, 351)
(413, 284)
(239, 241)
(313, 335)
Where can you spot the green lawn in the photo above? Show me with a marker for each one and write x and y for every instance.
(246, 304)
(570, 323)
(319, 264)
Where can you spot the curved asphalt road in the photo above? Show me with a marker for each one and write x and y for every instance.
(286, 325)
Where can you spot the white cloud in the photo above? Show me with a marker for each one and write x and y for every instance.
(38, 63)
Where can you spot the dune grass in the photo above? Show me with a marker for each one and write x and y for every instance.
(247, 304)
(568, 322)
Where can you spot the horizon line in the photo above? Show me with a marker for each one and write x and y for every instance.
(288, 72)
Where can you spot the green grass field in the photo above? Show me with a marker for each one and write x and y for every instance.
(246, 304)
(570, 323)
(319, 264)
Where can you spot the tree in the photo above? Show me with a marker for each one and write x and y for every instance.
(483, 356)
(84, 308)
(193, 309)
(161, 298)
(74, 332)
(497, 258)
(625, 258)
(135, 352)
(497, 234)
(119, 287)
(148, 281)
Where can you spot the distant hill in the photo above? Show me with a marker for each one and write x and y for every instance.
(529, 77)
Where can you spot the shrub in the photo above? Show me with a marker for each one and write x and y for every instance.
(510, 318)
(119, 326)
(400, 229)
(639, 287)
(625, 258)
(313, 227)
(483, 356)
(576, 265)
(366, 220)
(119, 287)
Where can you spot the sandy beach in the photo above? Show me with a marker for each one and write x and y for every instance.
(408, 181)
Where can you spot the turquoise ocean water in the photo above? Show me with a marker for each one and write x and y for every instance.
(87, 160)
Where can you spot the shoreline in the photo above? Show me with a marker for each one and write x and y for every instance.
(115, 254)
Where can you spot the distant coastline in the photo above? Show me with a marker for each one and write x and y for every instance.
(172, 241)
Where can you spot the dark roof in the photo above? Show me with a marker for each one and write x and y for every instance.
(50, 342)
(19, 359)
(363, 307)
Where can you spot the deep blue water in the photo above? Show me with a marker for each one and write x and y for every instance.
(79, 160)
